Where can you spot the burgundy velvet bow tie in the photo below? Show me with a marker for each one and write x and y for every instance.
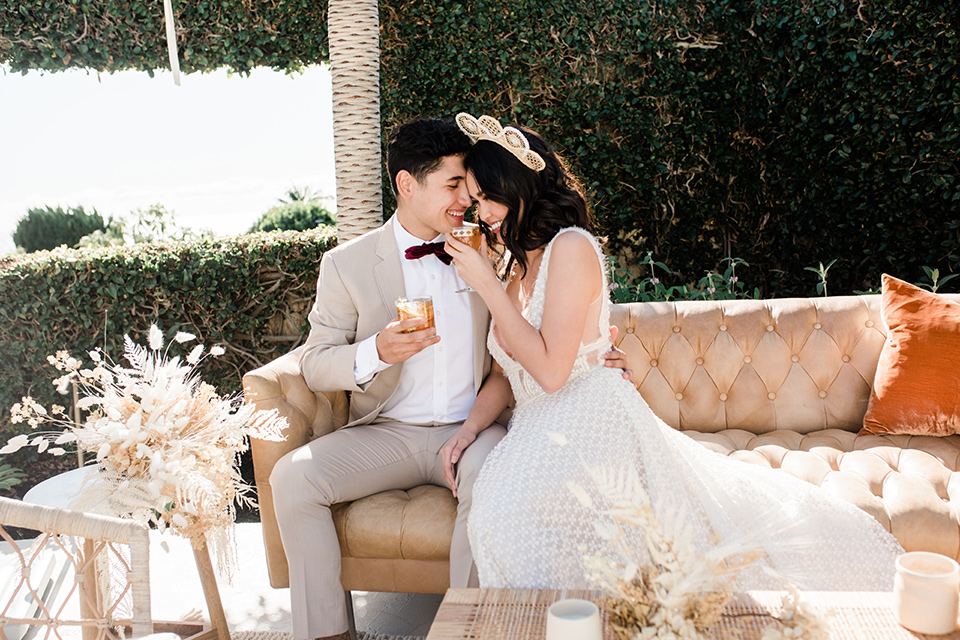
(427, 248)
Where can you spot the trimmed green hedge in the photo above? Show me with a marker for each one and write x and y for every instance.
(783, 132)
(249, 294)
(110, 35)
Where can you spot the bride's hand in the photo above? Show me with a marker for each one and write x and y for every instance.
(472, 266)
(452, 450)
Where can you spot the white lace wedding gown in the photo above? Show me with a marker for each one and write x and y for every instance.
(528, 530)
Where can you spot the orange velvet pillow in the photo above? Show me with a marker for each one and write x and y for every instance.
(917, 386)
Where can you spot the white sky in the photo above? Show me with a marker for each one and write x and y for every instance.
(218, 150)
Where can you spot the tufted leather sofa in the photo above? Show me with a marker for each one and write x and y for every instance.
(782, 383)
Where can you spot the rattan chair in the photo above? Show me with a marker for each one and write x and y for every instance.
(71, 560)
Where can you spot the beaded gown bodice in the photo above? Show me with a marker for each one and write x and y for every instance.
(529, 529)
(589, 356)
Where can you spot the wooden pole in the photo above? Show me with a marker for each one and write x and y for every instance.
(90, 607)
(211, 592)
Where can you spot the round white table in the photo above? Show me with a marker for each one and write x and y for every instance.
(61, 490)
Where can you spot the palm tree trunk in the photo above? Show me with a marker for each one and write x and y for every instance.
(354, 34)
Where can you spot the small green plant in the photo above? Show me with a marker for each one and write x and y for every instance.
(48, 228)
(10, 477)
(935, 280)
(822, 272)
(714, 285)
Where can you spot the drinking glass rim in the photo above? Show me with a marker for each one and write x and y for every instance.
(952, 572)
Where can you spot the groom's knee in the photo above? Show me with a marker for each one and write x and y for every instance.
(296, 481)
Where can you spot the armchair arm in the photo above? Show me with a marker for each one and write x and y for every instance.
(279, 385)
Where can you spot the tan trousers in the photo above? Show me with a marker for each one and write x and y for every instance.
(350, 464)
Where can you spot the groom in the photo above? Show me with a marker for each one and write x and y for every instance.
(410, 392)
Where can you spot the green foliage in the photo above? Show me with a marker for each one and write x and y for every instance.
(714, 285)
(821, 272)
(786, 132)
(298, 215)
(935, 280)
(10, 477)
(298, 194)
(153, 224)
(48, 228)
(249, 293)
(110, 35)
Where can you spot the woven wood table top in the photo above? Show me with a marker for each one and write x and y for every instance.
(520, 614)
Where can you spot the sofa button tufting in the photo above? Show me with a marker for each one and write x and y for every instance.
(822, 394)
(676, 328)
(845, 358)
(699, 360)
(747, 359)
(795, 358)
(769, 327)
(817, 325)
(629, 329)
(679, 396)
(653, 363)
(771, 396)
(868, 323)
(723, 327)
(723, 397)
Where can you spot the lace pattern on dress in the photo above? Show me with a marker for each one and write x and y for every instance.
(589, 356)
(527, 529)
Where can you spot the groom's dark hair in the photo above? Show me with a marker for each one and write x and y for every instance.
(419, 146)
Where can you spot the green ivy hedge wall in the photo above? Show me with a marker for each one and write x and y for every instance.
(782, 132)
(249, 294)
(111, 35)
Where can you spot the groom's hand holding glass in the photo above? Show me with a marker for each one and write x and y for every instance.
(400, 340)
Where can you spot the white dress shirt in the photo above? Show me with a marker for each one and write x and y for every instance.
(436, 384)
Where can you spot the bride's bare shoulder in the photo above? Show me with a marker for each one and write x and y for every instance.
(573, 246)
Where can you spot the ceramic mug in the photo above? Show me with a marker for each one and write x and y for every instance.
(574, 620)
(926, 592)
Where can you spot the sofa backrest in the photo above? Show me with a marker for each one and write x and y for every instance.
(800, 364)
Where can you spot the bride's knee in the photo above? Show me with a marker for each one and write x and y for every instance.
(474, 456)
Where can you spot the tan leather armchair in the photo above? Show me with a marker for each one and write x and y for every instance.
(397, 541)
(782, 383)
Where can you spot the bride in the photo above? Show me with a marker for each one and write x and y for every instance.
(549, 329)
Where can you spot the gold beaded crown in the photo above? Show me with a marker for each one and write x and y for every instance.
(510, 138)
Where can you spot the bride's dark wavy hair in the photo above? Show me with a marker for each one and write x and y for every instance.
(538, 204)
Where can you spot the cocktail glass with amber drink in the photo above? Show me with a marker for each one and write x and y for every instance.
(416, 308)
(467, 234)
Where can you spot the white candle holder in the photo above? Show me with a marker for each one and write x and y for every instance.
(926, 592)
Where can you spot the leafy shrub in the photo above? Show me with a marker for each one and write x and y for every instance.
(784, 132)
(153, 224)
(654, 286)
(249, 294)
(295, 216)
(48, 228)
(9, 477)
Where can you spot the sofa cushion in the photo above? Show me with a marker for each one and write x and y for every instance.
(917, 386)
(910, 484)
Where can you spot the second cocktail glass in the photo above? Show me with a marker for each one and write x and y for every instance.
(467, 234)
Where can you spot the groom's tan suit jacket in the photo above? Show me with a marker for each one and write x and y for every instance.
(358, 284)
